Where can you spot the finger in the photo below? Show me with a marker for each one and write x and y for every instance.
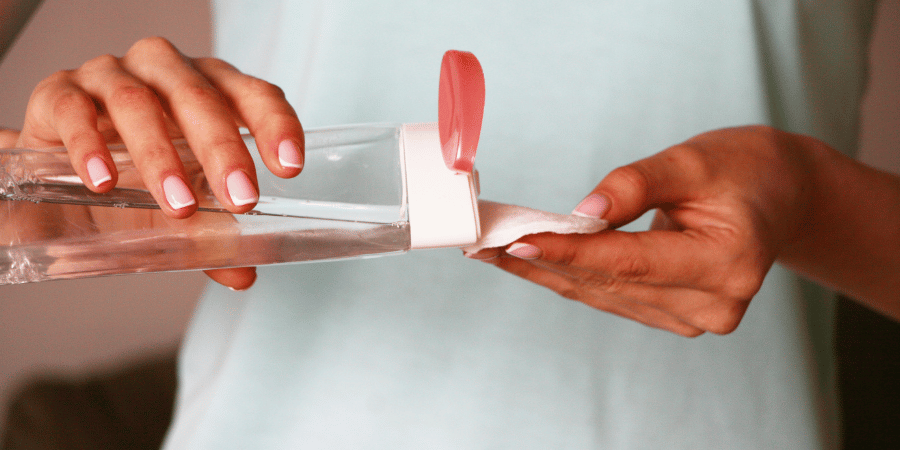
(136, 113)
(487, 254)
(671, 177)
(204, 117)
(8, 137)
(217, 237)
(712, 260)
(680, 310)
(574, 287)
(692, 307)
(61, 113)
(263, 108)
(238, 279)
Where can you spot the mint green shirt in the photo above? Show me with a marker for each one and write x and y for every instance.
(431, 350)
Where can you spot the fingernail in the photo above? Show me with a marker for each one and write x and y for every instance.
(177, 193)
(98, 171)
(524, 251)
(241, 189)
(475, 256)
(593, 206)
(289, 154)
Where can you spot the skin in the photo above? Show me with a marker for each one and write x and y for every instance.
(729, 202)
(151, 95)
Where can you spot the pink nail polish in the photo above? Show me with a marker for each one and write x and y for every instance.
(98, 171)
(482, 257)
(241, 189)
(593, 206)
(177, 193)
(289, 154)
(524, 251)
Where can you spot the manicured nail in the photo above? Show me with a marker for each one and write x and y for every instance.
(98, 171)
(289, 154)
(480, 257)
(241, 189)
(524, 251)
(177, 193)
(593, 206)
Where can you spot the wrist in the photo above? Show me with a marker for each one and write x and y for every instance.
(848, 240)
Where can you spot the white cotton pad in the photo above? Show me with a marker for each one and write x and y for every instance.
(503, 224)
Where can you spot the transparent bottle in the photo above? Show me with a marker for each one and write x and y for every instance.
(365, 190)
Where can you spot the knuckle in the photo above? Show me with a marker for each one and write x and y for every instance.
(156, 153)
(569, 256)
(741, 275)
(606, 285)
(152, 45)
(689, 158)
(740, 268)
(60, 76)
(72, 102)
(762, 135)
(743, 286)
(224, 143)
(691, 333)
(631, 179)
(57, 79)
(263, 88)
(276, 119)
(102, 62)
(81, 140)
(198, 93)
(276, 113)
(633, 269)
(629, 267)
(570, 292)
(153, 154)
(726, 317)
(132, 96)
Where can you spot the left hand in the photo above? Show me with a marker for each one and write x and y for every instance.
(8, 137)
(727, 202)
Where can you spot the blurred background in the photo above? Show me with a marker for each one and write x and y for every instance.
(76, 328)
(73, 329)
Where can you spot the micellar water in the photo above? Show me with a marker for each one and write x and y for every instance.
(365, 190)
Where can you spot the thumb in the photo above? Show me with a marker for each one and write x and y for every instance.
(660, 181)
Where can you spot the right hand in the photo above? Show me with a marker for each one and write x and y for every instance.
(152, 95)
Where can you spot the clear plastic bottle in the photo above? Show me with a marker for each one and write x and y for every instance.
(365, 190)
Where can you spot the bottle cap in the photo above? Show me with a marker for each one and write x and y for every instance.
(442, 204)
(460, 109)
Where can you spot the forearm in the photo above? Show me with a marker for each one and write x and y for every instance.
(850, 240)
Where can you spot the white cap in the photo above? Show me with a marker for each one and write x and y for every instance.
(443, 203)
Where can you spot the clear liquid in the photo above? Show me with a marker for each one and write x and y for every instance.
(349, 202)
(85, 246)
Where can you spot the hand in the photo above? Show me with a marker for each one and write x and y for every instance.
(8, 137)
(151, 95)
(727, 203)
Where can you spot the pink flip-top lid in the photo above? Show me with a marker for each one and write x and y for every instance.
(460, 109)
